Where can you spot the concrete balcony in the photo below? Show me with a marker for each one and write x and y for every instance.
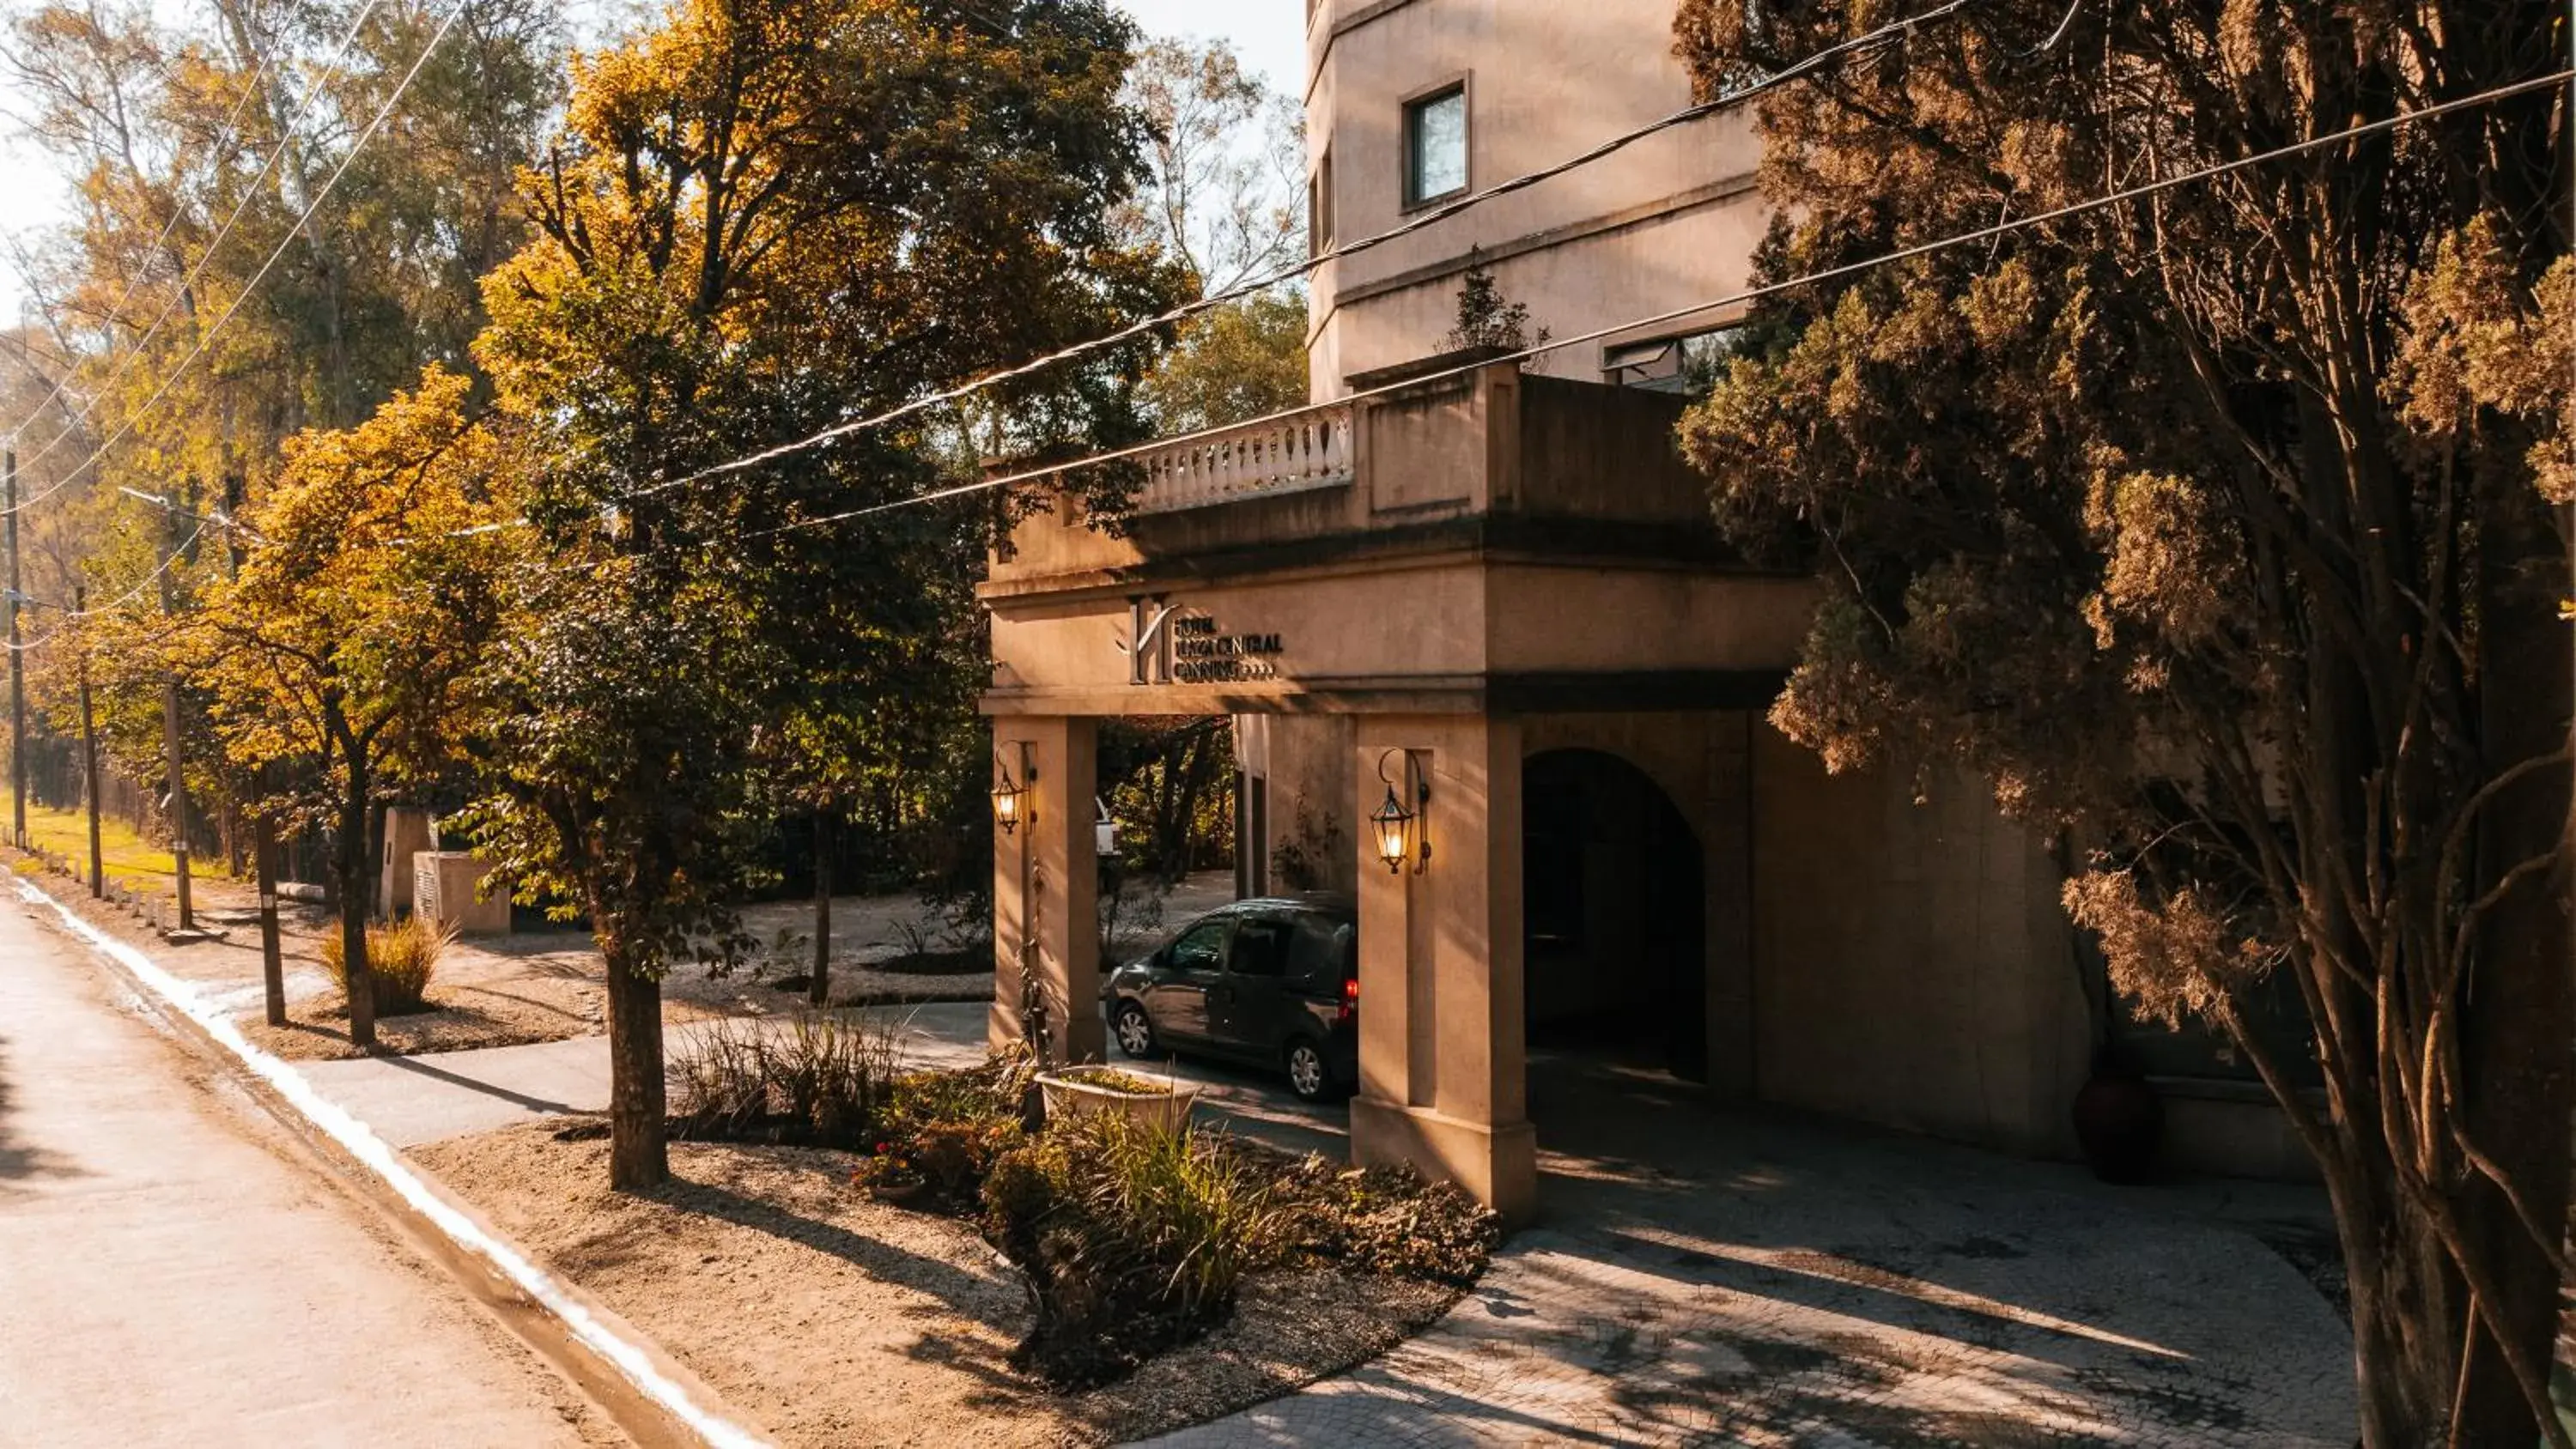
(1487, 540)
(1492, 457)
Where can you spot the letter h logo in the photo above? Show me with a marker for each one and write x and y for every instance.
(1149, 658)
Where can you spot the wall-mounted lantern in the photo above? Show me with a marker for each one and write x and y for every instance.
(1398, 827)
(1010, 797)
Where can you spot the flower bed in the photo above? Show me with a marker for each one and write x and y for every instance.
(1134, 1230)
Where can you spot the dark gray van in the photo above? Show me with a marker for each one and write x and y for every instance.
(1267, 982)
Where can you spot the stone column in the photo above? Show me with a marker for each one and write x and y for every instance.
(1443, 1062)
(1046, 886)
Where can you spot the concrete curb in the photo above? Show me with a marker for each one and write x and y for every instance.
(636, 1361)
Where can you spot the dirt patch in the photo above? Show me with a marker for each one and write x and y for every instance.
(463, 1018)
(833, 1319)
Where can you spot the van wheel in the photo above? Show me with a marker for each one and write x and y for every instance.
(1134, 1030)
(1308, 1077)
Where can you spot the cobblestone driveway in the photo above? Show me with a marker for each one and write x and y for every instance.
(1706, 1278)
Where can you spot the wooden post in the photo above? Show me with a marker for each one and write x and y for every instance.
(272, 964)
(263, 829)
(17, 672)
(178, 799)
(89, 758)
(818, 988)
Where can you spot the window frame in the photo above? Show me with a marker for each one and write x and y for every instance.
(1407, 107)
(1223, 926)
(1284, 923)
(1319, 204)
(1631, 372)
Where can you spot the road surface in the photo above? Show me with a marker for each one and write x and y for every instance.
(174, 1271)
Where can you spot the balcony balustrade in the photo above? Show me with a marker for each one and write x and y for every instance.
(1287, 454)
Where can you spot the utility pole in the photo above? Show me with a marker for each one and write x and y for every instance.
(17, 670)
(170, 731)
(89, 758)
(263, 831)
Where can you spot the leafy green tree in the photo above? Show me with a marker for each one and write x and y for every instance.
(762, 218)
(1243, 360)
(1221, 202)
(2206, 528)
(196, 143)
(343, 651)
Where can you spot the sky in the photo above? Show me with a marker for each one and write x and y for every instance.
(1270, 36)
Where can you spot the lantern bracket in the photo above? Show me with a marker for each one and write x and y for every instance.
(1401, 822)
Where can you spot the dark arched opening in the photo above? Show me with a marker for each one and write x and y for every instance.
(1613, 914)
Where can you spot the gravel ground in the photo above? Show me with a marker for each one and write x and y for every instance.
(832, 1319)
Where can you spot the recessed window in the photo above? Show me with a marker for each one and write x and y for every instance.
(1435, 145)
(1319, 207)
(1688, 364)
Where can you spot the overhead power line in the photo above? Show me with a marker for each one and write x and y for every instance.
(112, 605)
(225, 134)
(251, 287)
(1891, 33)
(1696, 309)
(1732, 299)
(302, 109)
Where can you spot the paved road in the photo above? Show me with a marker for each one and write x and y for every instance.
(172, 1274)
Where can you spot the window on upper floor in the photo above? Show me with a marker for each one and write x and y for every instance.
(1435, 144)
(1319, 206)
(1688, 363)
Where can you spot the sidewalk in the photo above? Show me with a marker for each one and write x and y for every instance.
(168, 1275)
(414, 1100)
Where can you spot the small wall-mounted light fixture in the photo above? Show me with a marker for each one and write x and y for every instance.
(1010, 796)
(1397, 825)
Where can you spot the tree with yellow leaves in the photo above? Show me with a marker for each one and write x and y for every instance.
(342, 650)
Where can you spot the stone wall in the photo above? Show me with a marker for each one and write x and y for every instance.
(1912, 965)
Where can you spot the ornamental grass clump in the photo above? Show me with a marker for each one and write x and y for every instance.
(819, 1082)
(402, 959)
(1133, 1240)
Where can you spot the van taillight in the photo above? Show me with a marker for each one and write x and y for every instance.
(1350, 998)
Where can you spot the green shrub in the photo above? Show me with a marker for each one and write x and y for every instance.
(402, 959)
(1132, 1239)
(821, 1082)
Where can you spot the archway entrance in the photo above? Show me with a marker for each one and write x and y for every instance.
(1614, 922)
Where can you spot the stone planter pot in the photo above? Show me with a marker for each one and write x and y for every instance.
(899, 1193)
(1164, 1110)
(2119, 1122)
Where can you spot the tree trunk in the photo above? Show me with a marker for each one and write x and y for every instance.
(272, 965)
(818, 987)
(638, 1157)
(2518, 1015)
(2404, 1313)
(349, 866)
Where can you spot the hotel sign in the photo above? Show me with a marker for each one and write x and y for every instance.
(1172, 644)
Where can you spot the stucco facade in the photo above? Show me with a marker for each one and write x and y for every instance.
(1669, 221)
(1498, 584)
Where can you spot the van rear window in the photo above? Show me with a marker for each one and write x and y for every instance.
(1324, 952)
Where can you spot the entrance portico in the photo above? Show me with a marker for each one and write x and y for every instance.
(1420, 589)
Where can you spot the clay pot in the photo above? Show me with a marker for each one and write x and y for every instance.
(2120, 1123)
